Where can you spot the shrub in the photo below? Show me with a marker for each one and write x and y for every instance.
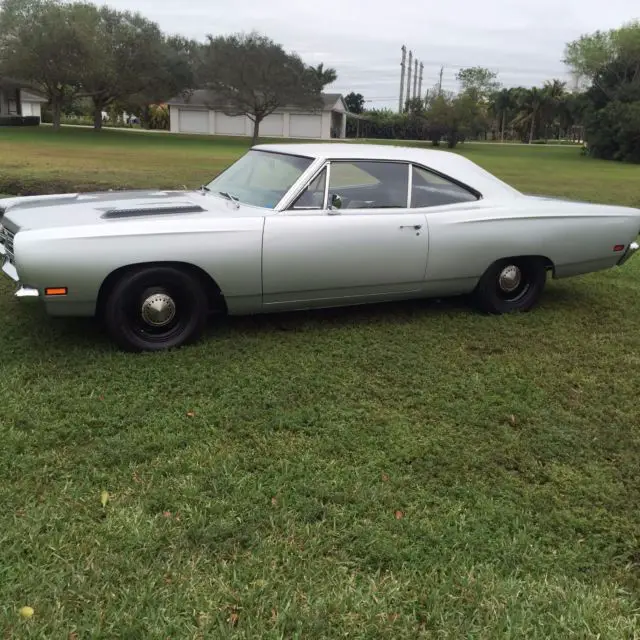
(19, 121)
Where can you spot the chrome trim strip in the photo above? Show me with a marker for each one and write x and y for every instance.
(325, 202)
(300, 184)
(631, 249)
(151, 211)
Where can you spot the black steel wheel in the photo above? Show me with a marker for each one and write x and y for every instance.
(514, 284)
(155, 308)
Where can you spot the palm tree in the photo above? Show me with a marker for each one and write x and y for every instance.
(502, 102)
(531, 104)
(324, 76)
(555, 92)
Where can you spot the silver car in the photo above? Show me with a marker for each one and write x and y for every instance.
(297, 226)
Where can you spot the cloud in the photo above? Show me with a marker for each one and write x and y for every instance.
(523, 41)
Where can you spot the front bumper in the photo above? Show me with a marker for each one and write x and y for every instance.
(23, 292)
(631, 249)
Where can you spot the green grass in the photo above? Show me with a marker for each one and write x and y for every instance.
(408, 470)
(43, 161)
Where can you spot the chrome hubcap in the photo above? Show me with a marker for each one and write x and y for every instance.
(510, 278)
(158, 310)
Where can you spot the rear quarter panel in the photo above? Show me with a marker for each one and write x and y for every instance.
(577, 238)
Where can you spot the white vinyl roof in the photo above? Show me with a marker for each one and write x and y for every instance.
(445, 162)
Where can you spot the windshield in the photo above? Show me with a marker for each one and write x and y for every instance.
(260, 178)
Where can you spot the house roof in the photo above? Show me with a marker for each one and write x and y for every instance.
(212, 100)
(32, 96)
(14, 83)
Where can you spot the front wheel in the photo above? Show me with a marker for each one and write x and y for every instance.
(514, 284)
(155, 308)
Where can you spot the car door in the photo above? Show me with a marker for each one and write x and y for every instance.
(349, 236)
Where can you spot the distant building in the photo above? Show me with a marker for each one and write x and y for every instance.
(17, 100)
(203, 112)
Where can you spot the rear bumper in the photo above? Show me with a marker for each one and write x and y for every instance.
(631, 249)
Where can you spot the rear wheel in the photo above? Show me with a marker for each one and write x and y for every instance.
(514, 284)
(155, 308)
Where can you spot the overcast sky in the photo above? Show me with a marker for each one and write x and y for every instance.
(522, 40)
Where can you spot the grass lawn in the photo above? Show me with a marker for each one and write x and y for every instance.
(395, 471)
(39, 160)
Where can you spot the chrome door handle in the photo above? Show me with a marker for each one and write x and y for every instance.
(416, 227)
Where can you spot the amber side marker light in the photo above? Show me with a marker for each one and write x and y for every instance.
(56, 291)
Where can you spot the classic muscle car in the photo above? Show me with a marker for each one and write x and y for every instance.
(296, 226)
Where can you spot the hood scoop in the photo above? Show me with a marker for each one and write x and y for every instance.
(136, 212)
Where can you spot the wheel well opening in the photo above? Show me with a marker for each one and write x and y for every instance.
(547, 262)
(216, 301)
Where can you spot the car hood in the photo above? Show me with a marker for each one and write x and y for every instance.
(77, 209)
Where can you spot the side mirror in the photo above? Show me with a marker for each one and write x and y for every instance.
(335, 201)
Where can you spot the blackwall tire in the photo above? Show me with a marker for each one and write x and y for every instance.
(155, 309)
(511, 285)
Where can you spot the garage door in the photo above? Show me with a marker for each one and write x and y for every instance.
(230, 125)
(194, 121)
(272, 125)
(305, 126)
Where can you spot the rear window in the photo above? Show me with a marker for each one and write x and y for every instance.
(432, 190)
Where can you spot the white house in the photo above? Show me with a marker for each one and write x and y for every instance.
(201, 112)
(18, 100)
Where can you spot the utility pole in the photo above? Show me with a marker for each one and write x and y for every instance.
(409, 76)
(440, 83)
(402, 66)
(420, 80)
(415, 80)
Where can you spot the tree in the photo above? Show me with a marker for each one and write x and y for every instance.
(172, 72)
(531, 103)
(437, 115)
(254, 76)
(589, 55)
(324, 76)
(452, 117)
(501, 104)
(611, 113)
(354, 102)
(554, 93)
(478, 82)
(44, 42)
(127, 52)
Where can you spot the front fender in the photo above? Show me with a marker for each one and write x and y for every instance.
(230, 252)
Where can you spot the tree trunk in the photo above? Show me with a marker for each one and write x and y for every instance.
(256, 131)
(97, 117)
(145, 116)
(56, 111)
(533, 127)
(504, 122)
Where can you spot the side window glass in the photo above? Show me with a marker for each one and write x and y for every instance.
(431, 190)
(313, 196)
(369, 185)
